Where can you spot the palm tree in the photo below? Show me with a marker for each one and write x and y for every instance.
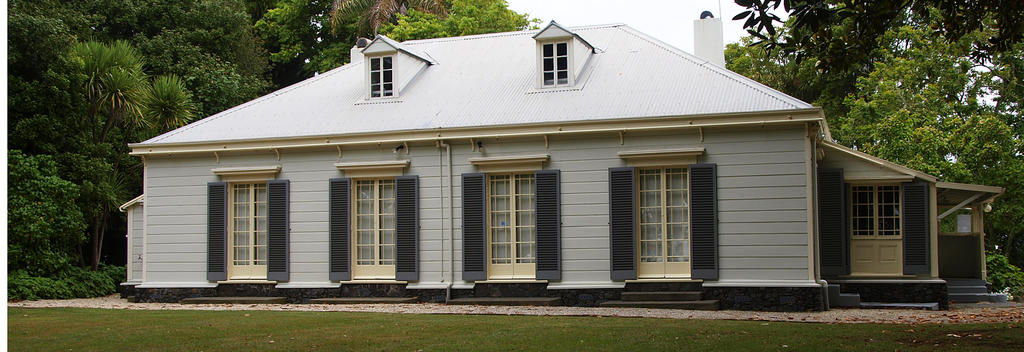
(168, 104)
(116, 84)
(373, 13)
(120, 94)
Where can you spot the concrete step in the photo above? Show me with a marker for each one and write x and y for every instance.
(692, 305)
(966, 289)
(965, 282)
(845, 300)
(234, 300)
(663, 296)
(362, 300)
(977, 297)
(131, 299)
(883, 305)
(508, 301)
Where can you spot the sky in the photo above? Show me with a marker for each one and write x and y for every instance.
(670, 21)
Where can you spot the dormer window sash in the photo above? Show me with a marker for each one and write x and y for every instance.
(382, 76)
(555, 61)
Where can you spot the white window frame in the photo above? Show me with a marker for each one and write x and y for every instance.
(378, 270)
(251, 271)
(571, 77)
(875, 213)
(664, 268)
(514, 269)
(370, 72)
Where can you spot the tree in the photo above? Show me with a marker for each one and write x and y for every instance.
(298, 36)
(374, 13)
(466, 17)
(44, 227)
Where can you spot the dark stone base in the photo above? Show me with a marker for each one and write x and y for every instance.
(780, 299)
(910, 292)
(126, 290)
(737, 298)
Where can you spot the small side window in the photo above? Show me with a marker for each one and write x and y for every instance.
(381, 77)
(555, 64)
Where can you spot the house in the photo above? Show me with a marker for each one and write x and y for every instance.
(590, 165)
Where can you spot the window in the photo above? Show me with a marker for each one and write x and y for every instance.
(512, 225)
(875, 211)
(248, 231)
(664, 215)
(381, 77)
(555, 62)
(374, 229)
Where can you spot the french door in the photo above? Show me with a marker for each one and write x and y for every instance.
(663, 232)
(248, 234)
(511, 226)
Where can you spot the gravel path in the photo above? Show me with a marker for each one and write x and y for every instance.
(976, 313)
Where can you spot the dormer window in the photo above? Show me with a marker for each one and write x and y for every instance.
(561, 56)
(382, 77)
(556, 64)
(391, 67)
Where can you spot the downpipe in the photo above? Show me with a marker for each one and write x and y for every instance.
(451, 215)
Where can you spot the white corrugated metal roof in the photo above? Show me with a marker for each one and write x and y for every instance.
(489, 80)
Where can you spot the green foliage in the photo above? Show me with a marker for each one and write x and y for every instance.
(466, 17)
(75, 282)
(372, 14)
(169, 104)
(44, 225)
(298, 41)
(917, 99)
(1004, 275)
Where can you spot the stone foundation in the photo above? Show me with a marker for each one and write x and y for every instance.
(910, 292)
(737, 298)
(780, 299)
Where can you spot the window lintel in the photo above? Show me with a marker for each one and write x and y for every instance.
(662, 157)
(511, 163)
(381, 168)
(247, 173)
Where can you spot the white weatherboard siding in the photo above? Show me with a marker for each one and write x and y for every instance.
(762, 203)
(856, 168)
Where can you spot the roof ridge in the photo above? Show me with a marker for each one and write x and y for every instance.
(724, 72)
(503, 34)
(250, 103)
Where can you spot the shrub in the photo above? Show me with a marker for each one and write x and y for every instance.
(1004, 275)
(74, 282)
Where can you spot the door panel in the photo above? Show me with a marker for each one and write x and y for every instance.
(876, 257)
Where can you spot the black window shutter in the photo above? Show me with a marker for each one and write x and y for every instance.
(407, 228)
(277, 230)
(474, 215)
(549, 225)
(338, 229)
(621, 226)
(704, 221)
(916, 229)
(832, 223)
(216, 231)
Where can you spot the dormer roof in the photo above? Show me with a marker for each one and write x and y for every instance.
(555, 31)
(382, 44)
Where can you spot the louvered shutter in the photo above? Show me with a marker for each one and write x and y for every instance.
(474, 212)
(216, 231)
(916, 229)
(621, 226)
(832, 223)
(549, 225)
(704, 221)
(407, 228)
(277, 230)
(338, 229)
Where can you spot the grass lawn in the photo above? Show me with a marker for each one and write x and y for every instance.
(123, 330)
